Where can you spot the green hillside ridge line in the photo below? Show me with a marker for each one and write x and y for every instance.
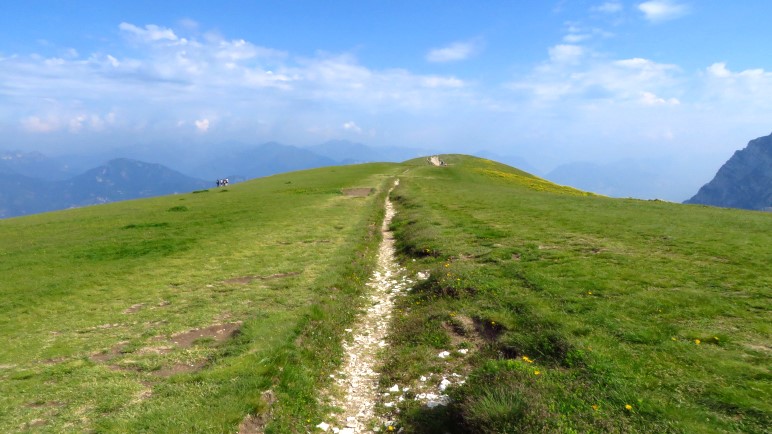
(225, 311)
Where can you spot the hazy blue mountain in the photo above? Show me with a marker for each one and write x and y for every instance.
(262, 160)
(643, 179)
(122, 179)
(346, 152)
(22, 195)
(509, 160)
(35, 165)
(744, 181)
(116, 180)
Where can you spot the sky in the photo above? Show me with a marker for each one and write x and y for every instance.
(553, 82)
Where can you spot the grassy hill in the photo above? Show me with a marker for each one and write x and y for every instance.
(584, 313)
(175, 314)
(581, 313)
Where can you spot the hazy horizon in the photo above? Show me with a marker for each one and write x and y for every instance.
(554, 83)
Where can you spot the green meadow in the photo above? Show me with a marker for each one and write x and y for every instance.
(223, 310)
(184, 313)
(582, 313)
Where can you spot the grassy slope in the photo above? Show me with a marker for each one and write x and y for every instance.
(77, 357)
(590, 313)
(607, 297)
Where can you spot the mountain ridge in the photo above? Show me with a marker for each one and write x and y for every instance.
(744, 181)
(116, 180)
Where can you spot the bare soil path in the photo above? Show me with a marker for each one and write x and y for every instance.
(357, 380)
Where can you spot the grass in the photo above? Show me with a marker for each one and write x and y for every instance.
(94, 299)
(590, 314)
(581, 313)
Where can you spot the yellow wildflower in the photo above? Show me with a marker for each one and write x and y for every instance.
(697, 341)
(628, 407)
(536, 372)
(595, 407)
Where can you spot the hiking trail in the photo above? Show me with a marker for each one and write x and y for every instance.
(357, 378)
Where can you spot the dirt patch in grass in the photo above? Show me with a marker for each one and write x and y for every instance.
(112, 353)
(249, 279)
(759, 347)
(143, 394)
(486, 329)
(134, 308)
(154, 350)
(358, 192)
(35, 423)
(218, 332)
(255, 423)
(463, 329)
(48, 404)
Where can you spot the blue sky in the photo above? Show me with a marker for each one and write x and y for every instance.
(551, 81)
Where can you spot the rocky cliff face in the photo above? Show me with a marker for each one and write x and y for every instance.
(745, 181)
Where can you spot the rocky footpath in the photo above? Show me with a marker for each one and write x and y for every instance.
(355, 389)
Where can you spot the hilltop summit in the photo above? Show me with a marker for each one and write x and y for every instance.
(745, 181)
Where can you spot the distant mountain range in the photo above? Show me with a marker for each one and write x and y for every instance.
(643, 179)
(745, 181)
(118, 179)
(34, 183)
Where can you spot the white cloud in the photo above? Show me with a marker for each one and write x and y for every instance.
(564, 78)
(202, 125)
(719, 70)
(151, 32)
(351, 126)
(573, 38)
(453, 52)
(160, 80)
(236, 89)
(610, 7)
(76, 123)
(436, 81)
(113, 61)
(648, 98)
(35, 124)
(658, 11)
(566, 53)
(750, 88)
